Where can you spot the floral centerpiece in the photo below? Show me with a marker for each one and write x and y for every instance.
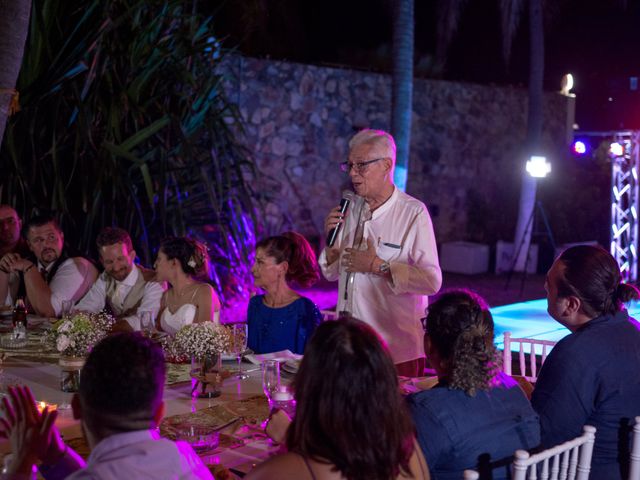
(76, 335)
(204, 343)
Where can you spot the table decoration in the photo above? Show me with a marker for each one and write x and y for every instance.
(73, 338)
(204, 343)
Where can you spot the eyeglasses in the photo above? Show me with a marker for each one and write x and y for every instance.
(358, 167)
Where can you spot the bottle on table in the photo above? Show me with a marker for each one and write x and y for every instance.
(20, 313)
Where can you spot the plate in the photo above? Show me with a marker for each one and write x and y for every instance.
(290, 366)
(9, 341)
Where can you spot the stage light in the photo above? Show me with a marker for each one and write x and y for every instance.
(567, 84)
(616, 149)
(538, 166)
(579, 147)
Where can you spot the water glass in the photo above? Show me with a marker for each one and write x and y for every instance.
(146, 323)
(65, 311)
(239, 345)
(270, 378)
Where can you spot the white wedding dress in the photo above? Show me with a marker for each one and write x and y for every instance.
(172, 322)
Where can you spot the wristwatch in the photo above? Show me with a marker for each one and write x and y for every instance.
(384, 268)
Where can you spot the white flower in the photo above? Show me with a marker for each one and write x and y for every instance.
(65, 326)
(63, 343)
(192, 262)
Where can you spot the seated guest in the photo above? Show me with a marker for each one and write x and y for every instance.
(182, 262)
(351, 421)
(50, 275)
(281, 318)
(476, 417)
(591, 377)
(10, 242)
(119, 406)
(124, 288)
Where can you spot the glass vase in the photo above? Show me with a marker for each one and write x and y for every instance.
(70, 368)
(206, 374)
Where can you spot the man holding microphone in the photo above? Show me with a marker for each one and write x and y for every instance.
(385, 253)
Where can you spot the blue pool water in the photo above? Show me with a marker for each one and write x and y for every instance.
(531, 320)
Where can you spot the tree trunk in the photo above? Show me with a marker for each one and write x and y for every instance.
(402, 87)
(525, 222)
(14, 26)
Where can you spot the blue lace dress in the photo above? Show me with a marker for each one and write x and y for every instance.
(283, 328)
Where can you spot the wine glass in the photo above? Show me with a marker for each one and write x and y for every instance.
(146, 323)
(270, 378)
(239, 345)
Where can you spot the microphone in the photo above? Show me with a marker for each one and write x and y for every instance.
(347, 197)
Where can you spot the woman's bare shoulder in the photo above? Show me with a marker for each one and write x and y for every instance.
(287, 466)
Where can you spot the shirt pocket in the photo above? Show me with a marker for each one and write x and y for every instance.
(388, 250)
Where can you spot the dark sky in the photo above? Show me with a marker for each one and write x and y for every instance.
(596, 40)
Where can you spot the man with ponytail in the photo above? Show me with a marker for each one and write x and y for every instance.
(592, 376)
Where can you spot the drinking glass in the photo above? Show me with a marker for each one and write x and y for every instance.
(65, 311)
(270, 378)
(283, 399)
(239, 345)
(146, 323)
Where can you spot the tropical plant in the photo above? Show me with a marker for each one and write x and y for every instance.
(125, 121)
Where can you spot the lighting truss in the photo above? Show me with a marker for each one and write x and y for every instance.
(625, 160)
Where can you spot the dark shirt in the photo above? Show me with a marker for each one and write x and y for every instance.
(284, 328)
(458, 432)
(592, 377)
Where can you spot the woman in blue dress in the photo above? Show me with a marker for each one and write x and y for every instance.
(282, 319)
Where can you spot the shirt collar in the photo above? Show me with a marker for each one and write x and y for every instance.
(119, 440)
(386, 205)
(131, 279)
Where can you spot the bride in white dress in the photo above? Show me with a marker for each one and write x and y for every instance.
(180, 262)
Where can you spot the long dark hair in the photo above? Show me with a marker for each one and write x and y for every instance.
(592, 274)
(460, 326)
(349, 409)
(294, 249)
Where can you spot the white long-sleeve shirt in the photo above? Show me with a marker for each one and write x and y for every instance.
(95, 299)
(402, 232)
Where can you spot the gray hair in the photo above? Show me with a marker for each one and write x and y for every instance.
(381, 139)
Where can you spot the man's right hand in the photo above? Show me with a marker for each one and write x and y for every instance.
(334, 219)
(9, 261)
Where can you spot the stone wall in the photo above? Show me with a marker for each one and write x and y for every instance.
(465, 147)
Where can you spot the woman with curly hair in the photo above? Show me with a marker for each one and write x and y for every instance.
(350, 422)
(282, 319)
(184, 264)
(476, 416)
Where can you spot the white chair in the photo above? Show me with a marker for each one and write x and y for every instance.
(531, 374)
(634, 462)
(570, 460)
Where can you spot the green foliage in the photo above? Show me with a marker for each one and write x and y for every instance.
(124, 122)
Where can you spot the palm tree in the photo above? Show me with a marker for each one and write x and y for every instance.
(402, 86)
(511, 13)
(14, 25)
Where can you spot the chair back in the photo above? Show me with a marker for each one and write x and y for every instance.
(570, 460)
(527, 345)
(634, 462)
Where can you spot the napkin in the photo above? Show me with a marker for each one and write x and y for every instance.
(281, 356)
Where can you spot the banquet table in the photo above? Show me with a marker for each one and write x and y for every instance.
(242, 405)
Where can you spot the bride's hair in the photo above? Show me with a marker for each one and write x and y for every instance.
(192, 255)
